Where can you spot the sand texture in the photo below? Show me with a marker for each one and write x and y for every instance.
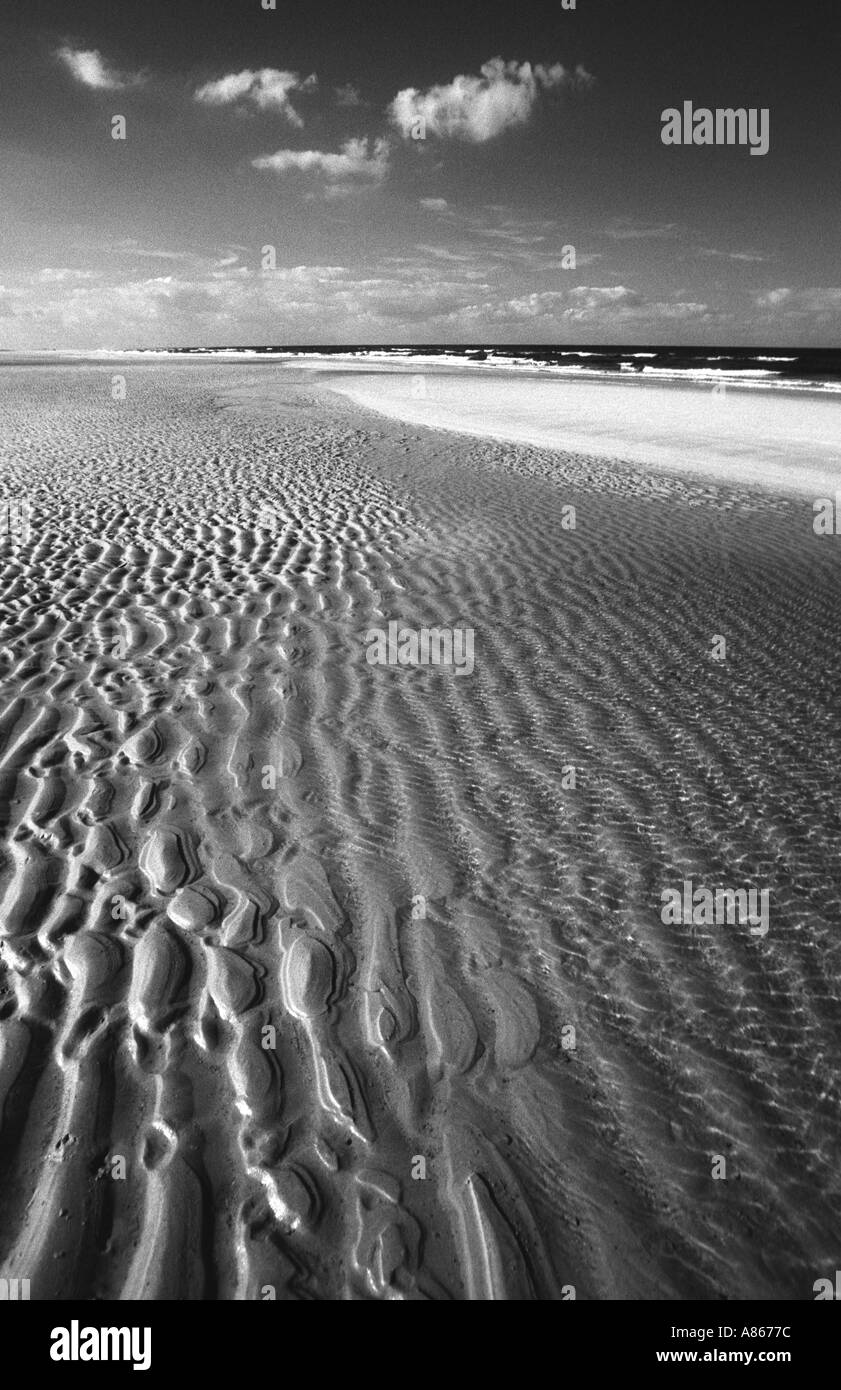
(317, 979)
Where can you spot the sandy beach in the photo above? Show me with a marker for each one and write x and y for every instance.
(324, 978)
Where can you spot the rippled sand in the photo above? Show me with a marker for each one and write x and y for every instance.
(318, 979)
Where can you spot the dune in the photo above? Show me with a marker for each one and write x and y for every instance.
(332, 979)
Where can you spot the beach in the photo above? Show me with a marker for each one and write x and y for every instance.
(325, 977)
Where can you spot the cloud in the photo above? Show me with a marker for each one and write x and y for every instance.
(58, 275)
(626, 229)
(477, 109)
(825, 301)
(602, 306)
(418, 297)
(771, 298)
(128, 246)
(435, 204)
(443, 254)
(729, 255)
(267, 89)
(679, 310)
(512, 236)
(550, 312)
(596, 297)
(619, 302)
(359, 160)
(89, 67)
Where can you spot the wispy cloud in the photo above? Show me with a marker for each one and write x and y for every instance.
(730, 255)
(626, 229)
(512, 236)
(128, 246)
(442, 253)
(826, 301)
(89, 67)
(477, 109)
(61, 275)
(265, 89)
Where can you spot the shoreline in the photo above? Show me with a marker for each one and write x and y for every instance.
(772, 440)
(391, 360)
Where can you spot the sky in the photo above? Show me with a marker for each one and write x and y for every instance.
(416, 172)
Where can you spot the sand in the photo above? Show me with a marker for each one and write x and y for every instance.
(318, 978)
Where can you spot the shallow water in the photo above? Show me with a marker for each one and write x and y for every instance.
(770, 438)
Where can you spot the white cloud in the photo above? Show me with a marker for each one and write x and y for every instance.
(511, 236)
(626, 229)
(729, 255)
(548, 311)
(821, 301)
(441, 253)
(418, 297)
(772, 298)
(595, 296)
(619, 302)
(358, 160)
(89, 67)
(268, 89)
(435, 204)
(479, 108)
(58, 275)
(689, 309)
(129, 246)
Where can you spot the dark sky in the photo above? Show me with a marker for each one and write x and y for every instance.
(293, 129)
